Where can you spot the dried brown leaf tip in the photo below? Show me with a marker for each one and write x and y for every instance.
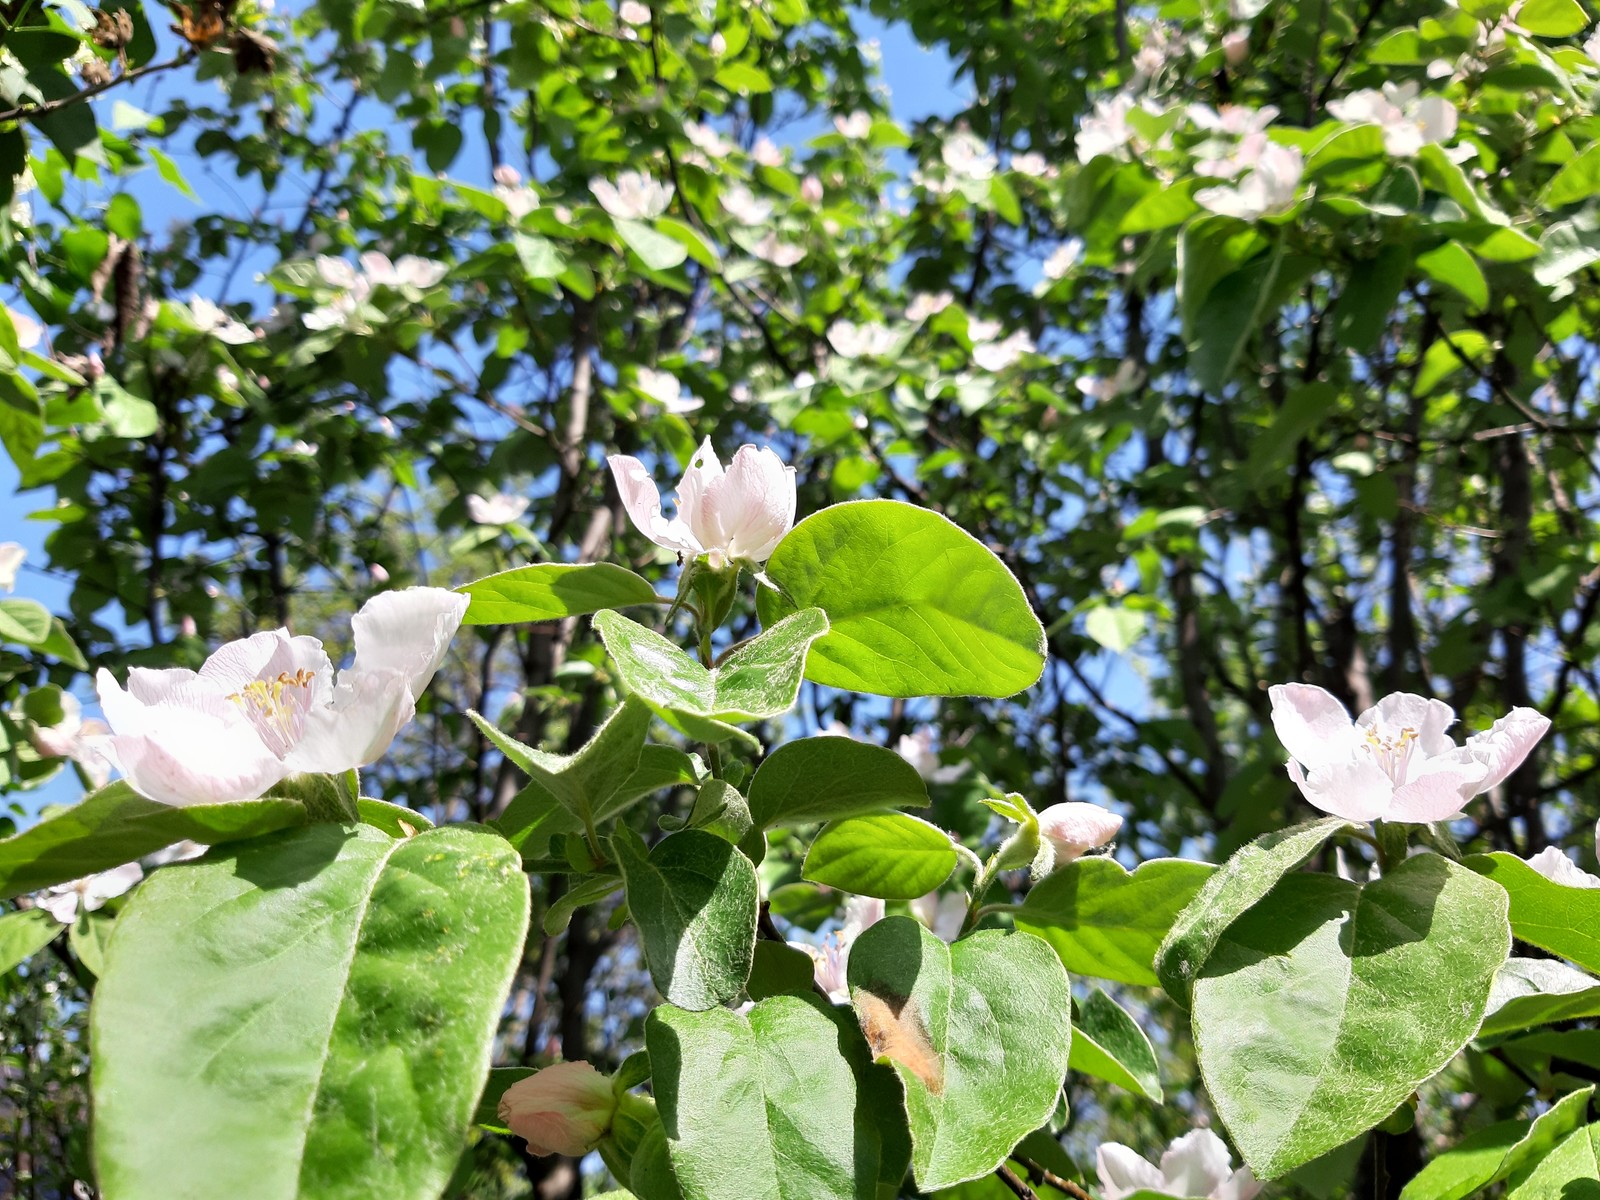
(895, 1030)
(204, 24)
(112, 30)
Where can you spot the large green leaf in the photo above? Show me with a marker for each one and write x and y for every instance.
(23, 934)
(1539, 991)
(694, 898)
(1106, 922)
(1505, 1150)
(309, 1015)
(1108, 1044)
(1563, 920)
(1355, 995)
(115, 825)
(757, 681)
(1552, 18)
(1241, 882)
(1569, 1172)
(548, 591)
(916, 606)
(979, 1032)
(824, 778)
(772, 1104)
(889, 855)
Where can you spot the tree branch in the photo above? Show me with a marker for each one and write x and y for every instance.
(30, 112)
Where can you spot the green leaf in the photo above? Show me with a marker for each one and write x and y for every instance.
(1452, 265)
(1304, 408)
(759, 680)
(1242, 881)
(1571, 1171)
(1538, 991)
(591, 785)
(889, 855)
(88, 938)
(978, 1033)
(591, 891)
(540, 259)
(916, 606)
(24, 622)
(340, 991)
(1563, 920)
(115, 825)
(1552, 18)
(774, 1103)
(656, 250)
(1108, 1044)
(550, 591)
(1356, 994)
(380, 814)
(824, 778)
(23, 934)
(1575, 182)
(694, 899)
(1368, 298)
(1229, 319)
(1505, 1150)
(778, 970)
(1105, 922)
(1117, 628)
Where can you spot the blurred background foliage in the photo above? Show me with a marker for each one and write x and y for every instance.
(1338, 430)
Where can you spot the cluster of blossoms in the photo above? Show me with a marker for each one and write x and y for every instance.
(355, 284)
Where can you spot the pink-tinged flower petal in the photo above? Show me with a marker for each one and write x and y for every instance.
(1558, 868)
(265, 656)
(642, 500)
(1195, 1164)
(1243, 1186)
(364, 713)
(1356, 789)
(150, 686)
(196, 760)
(107, 885)
(753, 504)
(407, 632)
(1313, 726)
(564, 1109)
(1075, 826)
(1437, 788)
(1504, 745)
(1429, 719)
(703, 473)
(1122, 1172)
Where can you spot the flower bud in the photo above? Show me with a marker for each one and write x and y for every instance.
(564, 1109)
(1074, 827)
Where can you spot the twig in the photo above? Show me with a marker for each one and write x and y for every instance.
(29, 112)
(1048, 1176)
(1018, 1189)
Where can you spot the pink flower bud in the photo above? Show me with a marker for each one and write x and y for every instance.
(1074, 827)
(1235, 47)
(811, 190)
(564, 1109)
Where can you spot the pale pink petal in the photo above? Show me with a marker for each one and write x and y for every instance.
(1313, 726)
(60, 902)
(1075, 826)
(97, 889)
(1243, 1186)
(366, 711)
(1436, 788)
(1504, 745)
(564, 1109)
(199, 760)
(1356, 789)
(1429, 719)
(408, 632)
(642, 500)
(151, 686)
(702, 475)
(1558, 868)
(1122, 1172)
(753, 504)
(1195, 1163)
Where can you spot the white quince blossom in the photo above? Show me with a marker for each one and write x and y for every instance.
(744, 206)
(635, 196)
(811, 190)
(997, 356)
(509, 190)
(779, 253)
(1408, 121)
(1591, 45)
(1236, 47)
(408, 270)
(1197, 1166)
(11, 556)
(502, 508)
(1096, 387)
(707, 140)
(1032, 165)
(1235, 120)
(1270, 188)
(633, 13)
(75, 738)
(944, 915)
(1558, 868)
(927, 304)
(66, 900)
(867, 340)
(212, 319)
(664, 388)
(1395, 762)
(1106, 130)
(966, 155)
(732, 515)
(981, 330)
(28, 330)
(1075, 827)
(917, 749)
(270, 705)
(855, 126)
(830, 959)
(766, 152)
(1063, 259)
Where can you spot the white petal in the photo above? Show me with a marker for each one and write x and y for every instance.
(1558, 868)
(1242, 1186)
(1436, 788)
(407, 632)
(1122, 1172)
(1357, 789)
(237, 664)
(703, 472)
(1504, 745)
(1430, 720)
(753, 505)
(1075, 826)
(97, 889)
(11, 556)
(367, 710)
(642, 500)
(195, 759)
(1313, 726)
(1195, 1164)
(60, 902)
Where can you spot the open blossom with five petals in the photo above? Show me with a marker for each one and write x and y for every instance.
(1395, 762)
(965, 154)
(213, 319)
(666, 390)
(737, 514)
(1269, 188)
(635, 196)
(502, 508)
(1409, 121)
(11, 556)
(270, 705)
(1197, 1166)
(740, 203)
(1075, 826)
(66, 900)
(857, 125)
(867, 340)
(564, 1109)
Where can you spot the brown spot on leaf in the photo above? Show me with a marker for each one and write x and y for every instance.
(895, 1030)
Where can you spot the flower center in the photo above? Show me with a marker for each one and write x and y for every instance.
(277, 707)
(1393, 751)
